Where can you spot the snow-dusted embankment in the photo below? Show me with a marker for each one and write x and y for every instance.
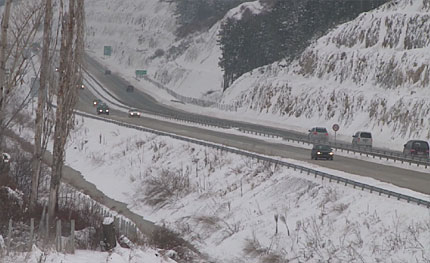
(371, 73)
(227, 204)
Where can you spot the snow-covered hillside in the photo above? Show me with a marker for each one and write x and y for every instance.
(371, 73)
(141, 34)
(226, 204)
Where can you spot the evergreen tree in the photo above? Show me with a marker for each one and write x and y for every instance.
(283, 32)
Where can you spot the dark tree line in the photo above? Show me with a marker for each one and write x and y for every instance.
(197, 15)
(284, 31)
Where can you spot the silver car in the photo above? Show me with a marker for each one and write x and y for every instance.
(361, 138)
(134, 113)
(318, 134)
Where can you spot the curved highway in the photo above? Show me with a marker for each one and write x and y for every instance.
(413, 180)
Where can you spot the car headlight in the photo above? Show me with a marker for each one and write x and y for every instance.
(318, 152)
(331, 153)
(107, 110)
(100, 111)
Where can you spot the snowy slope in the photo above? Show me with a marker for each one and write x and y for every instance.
(137, 29)
(225, 204)
(118, 255)
(371, 73)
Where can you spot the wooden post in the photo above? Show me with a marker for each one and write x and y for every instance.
(9, 237)
(42, 220)
(109, 237)
(58, 245)
(72, 236)
(31, 234)
(46, 228)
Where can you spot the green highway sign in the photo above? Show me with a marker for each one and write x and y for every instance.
(107, 51)
(140, 73)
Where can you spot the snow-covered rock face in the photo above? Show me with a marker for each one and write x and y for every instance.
(134, 29)
(370, 73)
(384, 48)
(142, 36)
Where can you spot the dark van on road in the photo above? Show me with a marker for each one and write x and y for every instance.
(416, 148)
(322, 152)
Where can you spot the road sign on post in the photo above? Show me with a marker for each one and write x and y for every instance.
(335, 129)
(140, 73)
(107, 50)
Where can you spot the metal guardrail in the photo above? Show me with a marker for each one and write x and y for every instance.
(163, 115)
(302, 169)
(375, 153)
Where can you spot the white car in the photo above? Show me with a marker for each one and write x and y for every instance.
(134, 113)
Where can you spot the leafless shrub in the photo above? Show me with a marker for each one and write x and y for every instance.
(140, 144)
(210, 221)
(168, 184)
(330, 196)
(339, 208)
(253, 248)
(217, 223)
(164, 238)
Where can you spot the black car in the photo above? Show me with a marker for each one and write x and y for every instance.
(322, 151)
(130, 88)
(102, 109)
(107, 72)
(416, 148)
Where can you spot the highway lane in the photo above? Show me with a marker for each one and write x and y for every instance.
(141, 100)
(417, 181)
(413, 180)
(147, 103)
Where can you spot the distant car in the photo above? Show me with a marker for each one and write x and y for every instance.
(362, 139)
(130, 88)
(416, 148)
(6, 157)
(102, 109)
(81, 86)
(318, 134)
(134, 113)
(96, 102)
(107, 72)
(320, 151)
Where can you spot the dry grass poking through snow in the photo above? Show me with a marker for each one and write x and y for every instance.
(225, 205)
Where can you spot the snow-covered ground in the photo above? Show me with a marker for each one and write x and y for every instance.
(233, 208)
(118, 255)
(225, 203)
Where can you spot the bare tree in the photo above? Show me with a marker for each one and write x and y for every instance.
(71, 51)
(41, 103)
(3, 50)
(18, 29)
